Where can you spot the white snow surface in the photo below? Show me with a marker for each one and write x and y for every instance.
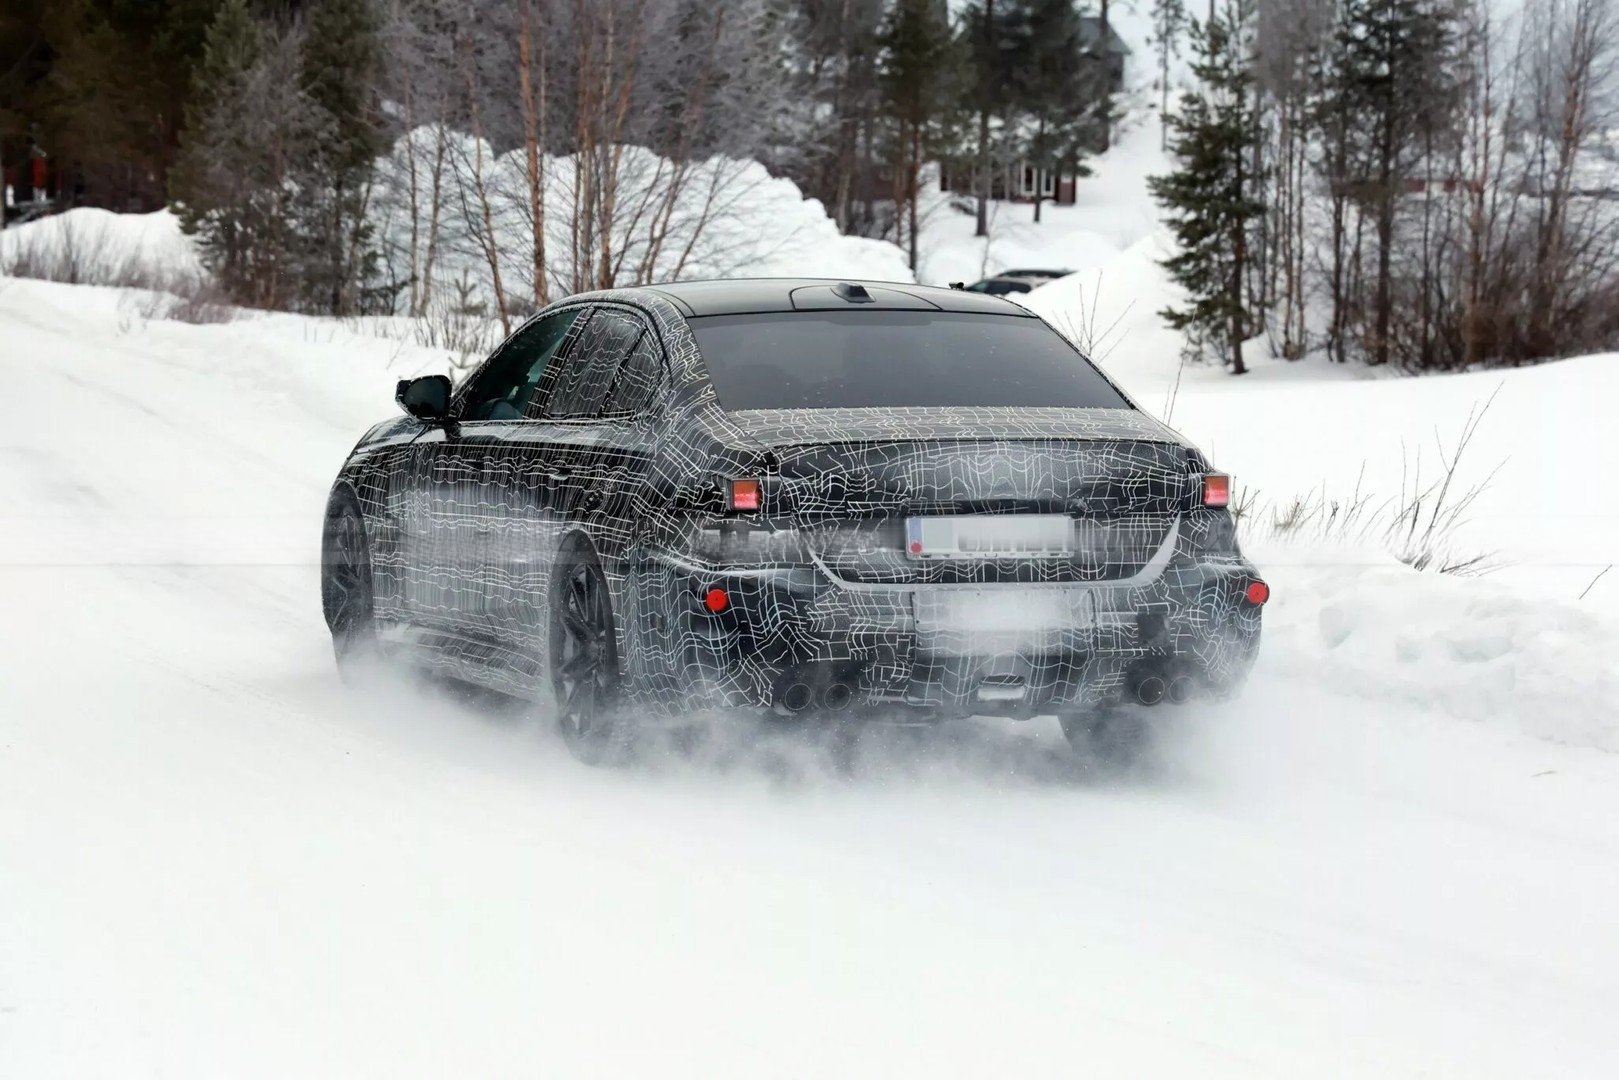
(1394, 856)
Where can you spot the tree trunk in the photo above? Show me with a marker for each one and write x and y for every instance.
(1107, 103)
(1239, 268)
(1336, 177)
(1385, 235)
(863, 163)
(1163, 89)
(414, 201)
(488, 241)
(1383, 299)
(440, 148)
(533, 133)
(337, 247)
(915, 187)
(983, 177)
(847, 130)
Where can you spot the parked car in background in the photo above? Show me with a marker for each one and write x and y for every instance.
(1044, 275)
(1008, 282)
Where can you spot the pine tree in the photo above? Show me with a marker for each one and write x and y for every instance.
(1061, 87)
(986, 45)
(1168, 20)
(117, 86)
(1209, 199)
(1396, 82)
(211, 184)
(338, 75)
(919, 68)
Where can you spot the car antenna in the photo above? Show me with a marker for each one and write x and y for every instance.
(852, 292)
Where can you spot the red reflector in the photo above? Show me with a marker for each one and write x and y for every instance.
(916, 547)
(716, 600)
(1216, 489)
(1257, 592)
(744, 494)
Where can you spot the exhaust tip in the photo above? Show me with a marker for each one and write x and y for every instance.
(796, 696)
(837, 697)
(1150, 690)
(1181, 688)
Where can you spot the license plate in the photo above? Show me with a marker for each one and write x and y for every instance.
(989, 536)
(1002, 622)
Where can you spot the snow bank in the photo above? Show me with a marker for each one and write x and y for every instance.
(87, 245)
(731, 219)
(1111, 310)
(1467, 648)
(720, 217)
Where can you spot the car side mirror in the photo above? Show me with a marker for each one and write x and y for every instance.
(426, 398)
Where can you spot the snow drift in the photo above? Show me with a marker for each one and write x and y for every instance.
(90, 246)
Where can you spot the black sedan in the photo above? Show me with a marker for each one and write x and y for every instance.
(801, 497)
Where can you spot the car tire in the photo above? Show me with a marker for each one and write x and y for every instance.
(346, 591)
(582, 647)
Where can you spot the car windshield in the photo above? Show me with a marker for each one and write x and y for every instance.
(894, 359)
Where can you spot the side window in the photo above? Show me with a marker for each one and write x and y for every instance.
(581, 384)
(503, 388)
(638, 379)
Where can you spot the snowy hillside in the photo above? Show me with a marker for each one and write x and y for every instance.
(744, 223)
(712, 218)
(1393, 857)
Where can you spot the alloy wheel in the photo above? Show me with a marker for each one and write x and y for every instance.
(584, 660)
(346, 584)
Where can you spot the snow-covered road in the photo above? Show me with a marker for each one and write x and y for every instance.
(215, 861)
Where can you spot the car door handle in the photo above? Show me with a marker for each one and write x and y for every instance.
(559, 474)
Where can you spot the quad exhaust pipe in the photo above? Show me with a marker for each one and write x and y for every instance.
(1150, 685)
(837, 696)
(796, 696)
(805, 688)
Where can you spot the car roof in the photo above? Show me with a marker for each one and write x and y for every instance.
(746, 296)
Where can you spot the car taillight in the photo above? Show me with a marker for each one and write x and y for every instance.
(1216, 489)
(1256, 593)
(744, 495)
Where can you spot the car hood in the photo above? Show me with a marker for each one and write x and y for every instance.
(773, 428)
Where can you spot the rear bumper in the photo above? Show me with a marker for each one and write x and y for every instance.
(785, 637)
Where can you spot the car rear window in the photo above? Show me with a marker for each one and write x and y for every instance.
(894, 359)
